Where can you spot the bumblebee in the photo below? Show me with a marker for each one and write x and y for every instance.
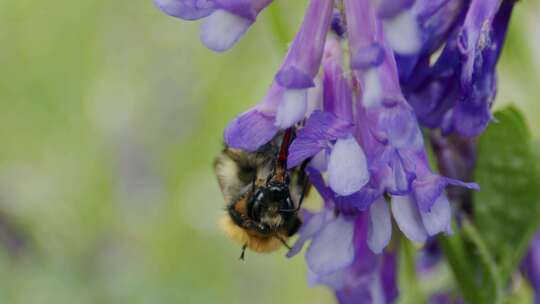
(262, 196)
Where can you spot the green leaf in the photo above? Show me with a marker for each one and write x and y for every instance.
(461, 264)
(507, 208)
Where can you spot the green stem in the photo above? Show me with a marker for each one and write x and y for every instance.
(458, 261)
(486, 257)
(408, 282)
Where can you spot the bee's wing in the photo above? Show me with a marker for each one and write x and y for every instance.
(237, 170)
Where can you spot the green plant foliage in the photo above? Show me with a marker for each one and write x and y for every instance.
(507, 209)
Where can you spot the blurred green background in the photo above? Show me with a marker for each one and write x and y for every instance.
(110, 116)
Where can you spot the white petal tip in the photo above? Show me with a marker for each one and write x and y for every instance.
(221, 30)
(347, 167)
(292, 108)
(403, 34)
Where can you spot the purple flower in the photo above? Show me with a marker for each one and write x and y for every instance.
(331, 132)
(339, 256)
(286, 102)
(225, 21)
(455, 94)
(304, 57)
(531, 266)
(358, 127)
(389, 133)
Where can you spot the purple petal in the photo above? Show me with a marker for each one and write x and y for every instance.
(325, 126)
(380, 226)
(455, 182)
(304, 56)
(359, 295)
(302, 149)
(336, 280)
(366, 262)
(319, 129)
(247, 9)
(358, 201)
(389, 277)
(401, 178)
(221, 30)
(531, 266)
(362, 28)
(250, 130)
(480, 43)
(332, 247)
(438, 219)
(310, 227)
(186, 9)
(436, 19)
(347, 167)
(337, 94)
(402, 127)
(317, 181)
(391, 8)
(408, 218)
(475, 32)
(426, 190)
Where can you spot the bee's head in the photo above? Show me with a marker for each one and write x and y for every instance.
(267, 204)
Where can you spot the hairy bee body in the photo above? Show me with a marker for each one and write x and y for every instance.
(262, 196)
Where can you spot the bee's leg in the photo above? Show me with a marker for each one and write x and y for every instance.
(283, 241)
(242, 255)
(294, 225)
(305, 187)
(304, 190)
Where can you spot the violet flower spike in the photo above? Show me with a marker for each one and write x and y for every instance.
(355, 274)
(456, 93)
(472, 112)
(395, 148)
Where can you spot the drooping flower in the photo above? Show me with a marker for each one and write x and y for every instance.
(455, 93)
(391, 137)
(286, 102)
(331, 131)
(339, 257)
(225, 21)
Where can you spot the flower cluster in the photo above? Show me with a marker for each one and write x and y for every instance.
(358, 81)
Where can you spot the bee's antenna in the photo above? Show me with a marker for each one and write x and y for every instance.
(242, 255)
